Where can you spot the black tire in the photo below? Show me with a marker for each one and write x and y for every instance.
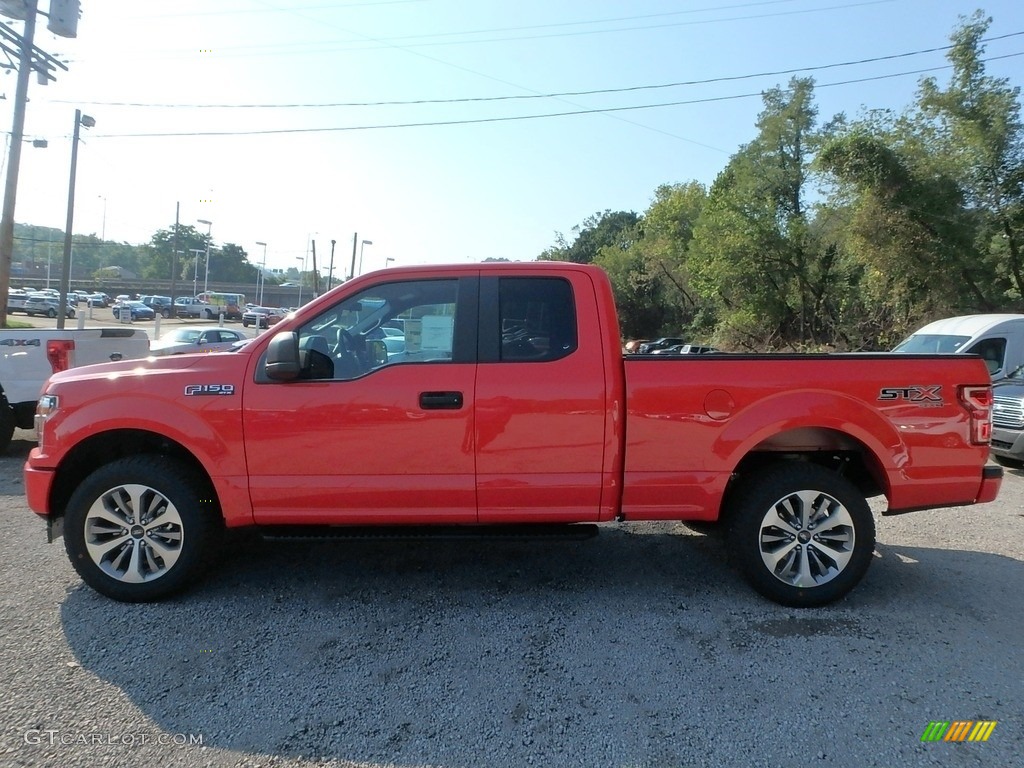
(245, 323)
(137, 560)
(51, 312)
(7, 424)
(774, 515)
(166, 313)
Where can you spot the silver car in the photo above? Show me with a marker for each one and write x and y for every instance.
(192, 339)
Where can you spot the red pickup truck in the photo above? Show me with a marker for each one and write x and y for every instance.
(480, 399)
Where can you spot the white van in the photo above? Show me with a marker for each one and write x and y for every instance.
(998, 339)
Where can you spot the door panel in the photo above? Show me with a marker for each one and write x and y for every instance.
(360, 441)
(540, 403)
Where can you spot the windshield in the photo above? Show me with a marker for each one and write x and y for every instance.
(928, 342)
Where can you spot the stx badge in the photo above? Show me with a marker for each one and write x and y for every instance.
(209, 389)
(922, 395)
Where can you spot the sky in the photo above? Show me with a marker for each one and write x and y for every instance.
(439, 131)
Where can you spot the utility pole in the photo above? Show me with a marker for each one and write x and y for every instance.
(316, 274)
(355, 241)
(14, 159)
(330, 271)
(174, 252)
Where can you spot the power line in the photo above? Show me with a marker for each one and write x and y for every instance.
(305, 48)
(532, 96)
(511, 118)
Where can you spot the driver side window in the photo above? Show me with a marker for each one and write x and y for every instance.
(403, 322)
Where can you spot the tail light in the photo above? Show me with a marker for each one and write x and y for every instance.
(978, 402)
(58, 352)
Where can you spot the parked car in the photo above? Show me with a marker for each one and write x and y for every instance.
(998, 339)
(16, 299)
(189, 306)
(664, 341)
(161, 304)
(189, 339)
(136, 309)
(44, 304)
(685, 349)
(1008, 419)
(98, 300)
(262, 317)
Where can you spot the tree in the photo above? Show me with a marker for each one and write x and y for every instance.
(758, 254)
(935, 195)
(598, 231)
(981, 137)
(191, 246)
(650, 276)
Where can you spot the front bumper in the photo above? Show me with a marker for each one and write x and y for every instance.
(1008, 443)
(38, 483)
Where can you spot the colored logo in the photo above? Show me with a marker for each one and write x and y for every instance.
(958, 730)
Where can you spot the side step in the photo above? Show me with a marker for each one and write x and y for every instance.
(574, 531)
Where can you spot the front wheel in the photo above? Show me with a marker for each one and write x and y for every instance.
(166, 313)
(802, 535)
(51, 312)
(141, 528)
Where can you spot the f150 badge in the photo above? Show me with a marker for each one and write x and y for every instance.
(927, 396)
(192, 390)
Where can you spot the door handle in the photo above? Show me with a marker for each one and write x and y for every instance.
(435, 401)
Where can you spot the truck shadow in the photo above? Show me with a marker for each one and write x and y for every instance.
(613, 650)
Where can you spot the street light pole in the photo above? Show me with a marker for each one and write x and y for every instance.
(301, 270)
(195, 273)
(261, 278)
(103, 228)
(65, 278)
(209, 228)
(361, 245)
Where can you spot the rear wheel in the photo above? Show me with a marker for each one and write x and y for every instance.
(7, 424)
(165, 312)
(51, 312)
(141, 528)
(801, 534)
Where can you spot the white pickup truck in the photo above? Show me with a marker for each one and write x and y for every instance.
(30, 355)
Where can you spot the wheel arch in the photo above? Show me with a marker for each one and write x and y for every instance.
(825, 446)
(102, 448)
(841, 433)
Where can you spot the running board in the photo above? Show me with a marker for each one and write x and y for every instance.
(574, 531)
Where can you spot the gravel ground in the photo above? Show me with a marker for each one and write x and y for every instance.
(640, 647)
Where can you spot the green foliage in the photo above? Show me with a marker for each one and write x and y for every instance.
(599, 231)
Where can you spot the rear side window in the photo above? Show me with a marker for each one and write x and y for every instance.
(537, 319)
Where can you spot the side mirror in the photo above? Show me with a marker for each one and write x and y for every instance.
(378, 352)
(282, 361)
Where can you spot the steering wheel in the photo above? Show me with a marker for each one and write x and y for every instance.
(345, 343)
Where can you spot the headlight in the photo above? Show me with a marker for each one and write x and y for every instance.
(45, 408)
